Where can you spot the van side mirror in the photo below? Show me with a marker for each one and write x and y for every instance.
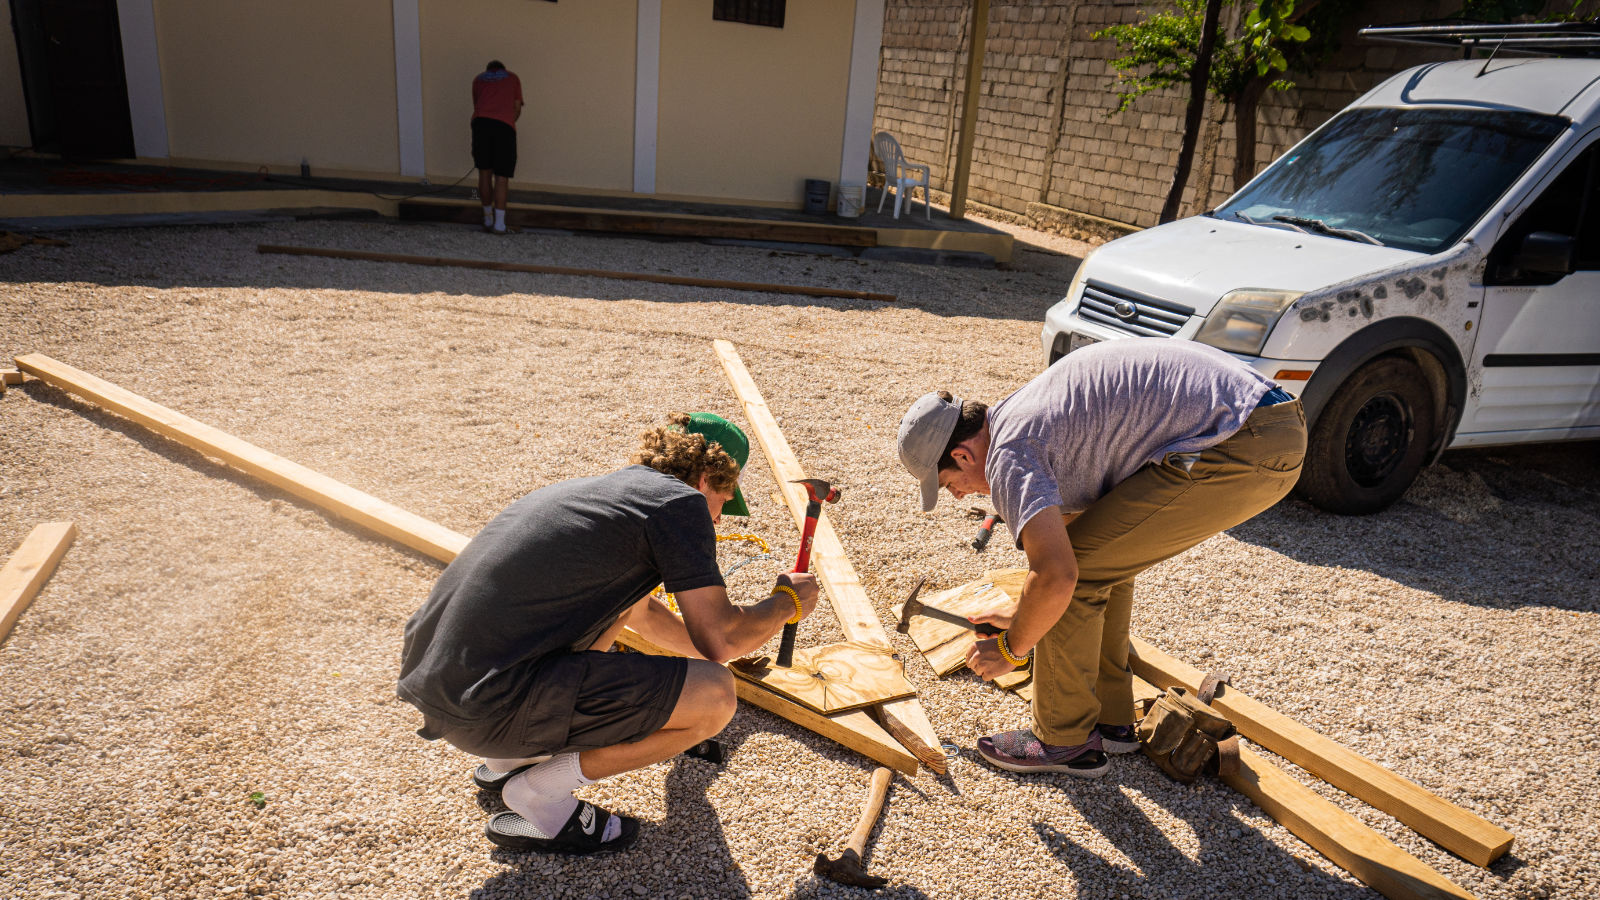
(1545, 252)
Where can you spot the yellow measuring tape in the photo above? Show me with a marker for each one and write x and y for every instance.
(765, 553)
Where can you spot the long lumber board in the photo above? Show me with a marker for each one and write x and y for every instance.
(30, 567)
(564, 270)
(623, 222)
(905, 719)
(855, 730)
(1342, 838)
(364, 509)
(1463, 833)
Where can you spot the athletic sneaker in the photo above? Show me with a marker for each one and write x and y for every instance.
(1020, 751)
(1118, 738)
(583, 833)
(490, 780)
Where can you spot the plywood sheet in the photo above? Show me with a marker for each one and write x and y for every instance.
(834, 677)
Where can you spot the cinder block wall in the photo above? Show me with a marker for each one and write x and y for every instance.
(1044, 135)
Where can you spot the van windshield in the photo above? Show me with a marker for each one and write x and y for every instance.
(1416, 179)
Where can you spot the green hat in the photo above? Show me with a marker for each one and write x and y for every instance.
(717, 430)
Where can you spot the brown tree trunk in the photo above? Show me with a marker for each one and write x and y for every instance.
(1244, 131)
(1199, 77)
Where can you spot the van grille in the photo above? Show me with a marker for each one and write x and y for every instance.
(1144, 316)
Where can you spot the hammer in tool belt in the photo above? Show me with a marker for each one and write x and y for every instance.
(818, 492)
(847, 869)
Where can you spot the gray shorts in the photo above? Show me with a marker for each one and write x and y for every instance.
(577, 701)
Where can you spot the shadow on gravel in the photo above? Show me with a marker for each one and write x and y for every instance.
(1503, 528)
(685, 855)
(1022, 290)
(1233, 860)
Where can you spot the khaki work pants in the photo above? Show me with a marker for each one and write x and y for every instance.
(1081, 674)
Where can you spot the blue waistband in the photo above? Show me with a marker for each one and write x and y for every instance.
(1274, 397)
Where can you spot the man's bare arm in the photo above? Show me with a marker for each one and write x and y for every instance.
(658, 625)
(1046, 593)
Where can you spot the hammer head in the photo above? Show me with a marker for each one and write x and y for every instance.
(818, 491)
(912, 607)
(847, 869)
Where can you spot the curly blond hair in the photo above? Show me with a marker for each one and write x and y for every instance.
(671, 449)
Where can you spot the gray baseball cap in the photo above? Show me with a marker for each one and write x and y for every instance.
(924, 431)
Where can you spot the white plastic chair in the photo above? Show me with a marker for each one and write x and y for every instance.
(904, 176)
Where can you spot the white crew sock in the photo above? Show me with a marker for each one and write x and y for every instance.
(543, 795)
(499, 220)
(488, 219)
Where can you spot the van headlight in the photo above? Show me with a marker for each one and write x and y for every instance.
(1075, 289)
(1242, 319)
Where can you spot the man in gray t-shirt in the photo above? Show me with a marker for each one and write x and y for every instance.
(1121, 455)
(506, 659)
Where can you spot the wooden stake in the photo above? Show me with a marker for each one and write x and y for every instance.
(30, 567)
(854, 729)
(1331, 831)
(1465, 834)
(562, 270)
(905, 719)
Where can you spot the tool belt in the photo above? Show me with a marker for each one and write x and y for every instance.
(1186, 736)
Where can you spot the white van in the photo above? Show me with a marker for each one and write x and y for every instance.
(1423, 271)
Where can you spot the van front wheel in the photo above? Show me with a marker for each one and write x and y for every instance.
(1371, 439)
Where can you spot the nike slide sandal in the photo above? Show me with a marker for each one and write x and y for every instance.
(581, 835)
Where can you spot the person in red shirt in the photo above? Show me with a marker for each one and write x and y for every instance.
(496, 104)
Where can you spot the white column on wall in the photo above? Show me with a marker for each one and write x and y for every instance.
(408, 85)
(862, 93)
(646, 94)
(141, 65)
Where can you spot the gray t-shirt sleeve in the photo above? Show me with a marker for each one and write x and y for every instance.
(1023, 485)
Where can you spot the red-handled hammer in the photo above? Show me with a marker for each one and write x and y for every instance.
(818, 492)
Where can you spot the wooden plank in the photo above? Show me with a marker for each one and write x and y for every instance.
(1331, 831)
(905, 719)
(30, 567)
(563, 270)
(364, 509)
(10, 377)
(1463, 833)
(639, 223)
(855, 730)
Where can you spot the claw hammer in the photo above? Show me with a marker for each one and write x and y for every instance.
(818, 492)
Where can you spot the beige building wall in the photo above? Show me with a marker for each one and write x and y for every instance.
(576, 63)
(275, 81)
(13, 103)
(749, 112)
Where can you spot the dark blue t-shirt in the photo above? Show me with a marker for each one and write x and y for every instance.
(547, 576)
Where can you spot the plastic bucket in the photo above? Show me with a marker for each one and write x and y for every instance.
(817, 196)
(852, 198)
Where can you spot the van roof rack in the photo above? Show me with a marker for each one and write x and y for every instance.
(1569, 39)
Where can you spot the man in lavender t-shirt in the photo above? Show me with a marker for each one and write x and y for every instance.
(1121, 455)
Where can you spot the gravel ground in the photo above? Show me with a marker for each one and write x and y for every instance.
(209, 637)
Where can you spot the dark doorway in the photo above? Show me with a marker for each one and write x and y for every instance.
(71, 58)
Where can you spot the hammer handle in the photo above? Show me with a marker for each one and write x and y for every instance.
(786, 645)
(801, 564)
(870, 809)
(984, 531)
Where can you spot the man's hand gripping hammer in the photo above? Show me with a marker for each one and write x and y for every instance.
(818, 492)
